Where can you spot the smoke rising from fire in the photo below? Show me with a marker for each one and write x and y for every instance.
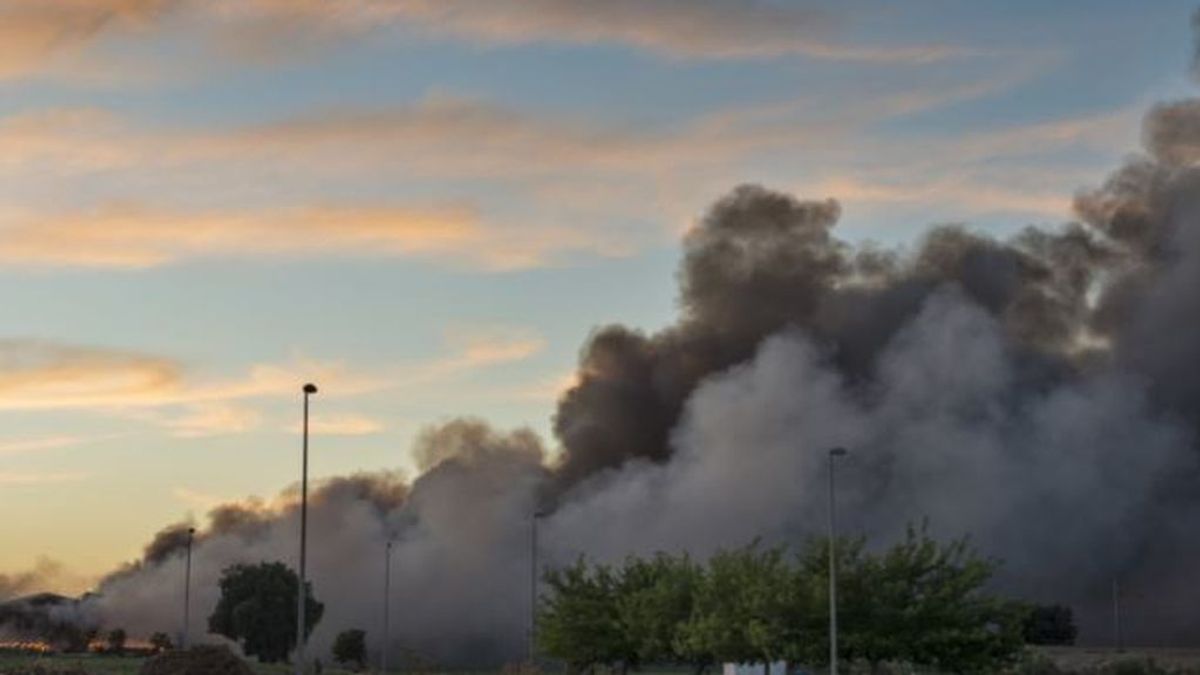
(1038, 392)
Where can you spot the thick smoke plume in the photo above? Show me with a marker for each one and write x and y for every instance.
(1040, 393)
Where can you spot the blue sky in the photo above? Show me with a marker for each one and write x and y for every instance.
(426, 206)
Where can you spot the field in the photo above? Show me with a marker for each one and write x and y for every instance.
(1065, 659)
(1092, 659)
(93, 664)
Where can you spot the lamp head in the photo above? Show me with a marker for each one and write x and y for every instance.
(838, 452)
(310, 388)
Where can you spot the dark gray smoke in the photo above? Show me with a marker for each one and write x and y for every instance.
(1040, 393)
(762, 261)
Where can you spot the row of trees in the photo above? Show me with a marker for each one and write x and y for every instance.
(920, 602)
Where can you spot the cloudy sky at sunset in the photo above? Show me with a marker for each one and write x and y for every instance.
(426, 205)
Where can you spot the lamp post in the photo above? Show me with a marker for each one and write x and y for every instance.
(302, 595)
(533, 581)
(1116, 606)
(387, 601)
(187, 591)
(833, 651)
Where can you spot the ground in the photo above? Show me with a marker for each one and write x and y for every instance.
(116, 665)
(1068, 659)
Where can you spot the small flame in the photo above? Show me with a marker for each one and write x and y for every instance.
(131, 645)
(26, 646)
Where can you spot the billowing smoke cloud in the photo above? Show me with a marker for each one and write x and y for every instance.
(45, 573)
(1039, 393)
(460, 559)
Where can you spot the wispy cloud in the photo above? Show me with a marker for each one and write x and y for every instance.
(347, 424)
(958, 193)
(43, 36)
(201, 501)
(40, 477)
(682, 29)
(33, 445)
(34, 32)
(40, 375)
(476, 346)
(127, 237)
(215, 418)
(586, 174)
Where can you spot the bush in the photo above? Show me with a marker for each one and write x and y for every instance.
(1049, 625)
(161, 642)
(201, 660)
(350, 647)
(115, 641)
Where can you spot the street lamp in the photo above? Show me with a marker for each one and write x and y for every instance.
(387, 598)
(833, 652)
(302, 595)
(533, 581)
(187, 590)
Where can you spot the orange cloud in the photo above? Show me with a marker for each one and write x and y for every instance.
(340, 425)
(40, 478)
(196, 499)
(131, 238)
(967, 195)
(39, 375)
(480, 347)
(37, 35)
(31, 445)
(36, 374)
(34, 31)
(213, 419)
(716, 29)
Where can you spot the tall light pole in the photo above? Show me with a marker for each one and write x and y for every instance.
(187, 591)
(302, 595)
(533, 581)
(833, 650)
(387, 601)
(1116, 606)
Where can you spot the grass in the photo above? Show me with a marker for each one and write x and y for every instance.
(94, 664)
(99, 664)
(1041, 661)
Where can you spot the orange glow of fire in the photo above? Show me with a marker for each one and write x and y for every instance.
(30, 646)
(131, 644)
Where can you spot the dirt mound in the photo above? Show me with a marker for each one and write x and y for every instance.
(203, 660)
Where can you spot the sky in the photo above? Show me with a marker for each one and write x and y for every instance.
(425, 206)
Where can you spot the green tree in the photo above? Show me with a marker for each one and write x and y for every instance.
(655, 598)
(115, 641)
(577, 620)
(747, 609)
(920, 602)
(161, 642)
(258, 609)
(350, 647)
(1049, 625)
